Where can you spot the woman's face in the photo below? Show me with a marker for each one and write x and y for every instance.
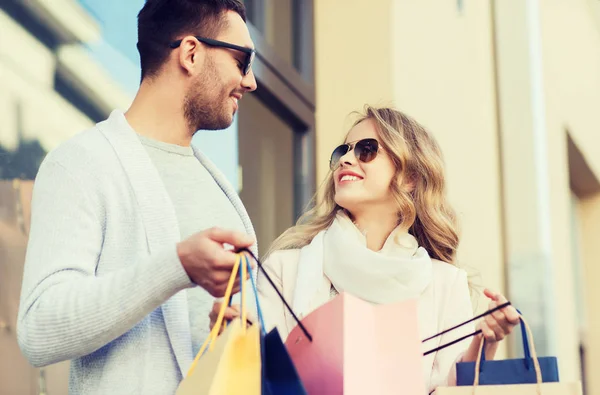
(364, 185)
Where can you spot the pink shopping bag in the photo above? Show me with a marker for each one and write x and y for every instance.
(359, 348)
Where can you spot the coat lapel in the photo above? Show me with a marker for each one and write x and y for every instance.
(160, 222)
(318, 296)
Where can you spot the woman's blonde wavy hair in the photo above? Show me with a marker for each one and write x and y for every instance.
(422, 209)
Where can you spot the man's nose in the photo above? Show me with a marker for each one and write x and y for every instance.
(249, 82)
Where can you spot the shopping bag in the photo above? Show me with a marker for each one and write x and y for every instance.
(508, 371)
(359, 348)
(537, 388)
(229, 363)
(279, 375)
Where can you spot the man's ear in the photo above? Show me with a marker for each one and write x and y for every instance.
(191, 55)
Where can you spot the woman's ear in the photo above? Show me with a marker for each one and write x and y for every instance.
(410, 185)
(409, 182)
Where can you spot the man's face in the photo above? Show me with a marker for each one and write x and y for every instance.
(212, 96)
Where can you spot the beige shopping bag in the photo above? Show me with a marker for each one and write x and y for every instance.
(540, 388)
(232, 362)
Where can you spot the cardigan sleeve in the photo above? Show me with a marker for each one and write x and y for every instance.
(66, 310)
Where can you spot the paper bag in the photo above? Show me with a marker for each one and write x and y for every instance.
(231, 364)
(508, 371)
(280, 376)
(538, 388)
(359, 348)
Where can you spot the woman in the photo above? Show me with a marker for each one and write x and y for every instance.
(383, 231)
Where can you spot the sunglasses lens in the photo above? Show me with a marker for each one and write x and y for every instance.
(336, 155)
(249, 60)
(366, 150)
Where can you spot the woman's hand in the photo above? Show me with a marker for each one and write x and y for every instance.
(231, 313)
(494, 327)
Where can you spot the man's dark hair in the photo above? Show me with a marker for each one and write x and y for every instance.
(163, 21)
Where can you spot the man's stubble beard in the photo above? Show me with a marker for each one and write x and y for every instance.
(205, 105)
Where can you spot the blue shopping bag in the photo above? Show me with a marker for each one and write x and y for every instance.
(508, 371)
(279, 375)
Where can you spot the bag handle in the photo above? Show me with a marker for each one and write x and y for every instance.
(458, 326)
(243, 314)
(536, 363)
(525, 341)
(254, 288)
(220, 318)
(258, 309)
(262, 269)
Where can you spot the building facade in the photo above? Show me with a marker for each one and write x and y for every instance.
(510, 88)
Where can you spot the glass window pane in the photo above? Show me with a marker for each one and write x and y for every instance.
(279, 27)
(274, 19)
(267, 162)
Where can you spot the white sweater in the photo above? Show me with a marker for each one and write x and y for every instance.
(102, 277)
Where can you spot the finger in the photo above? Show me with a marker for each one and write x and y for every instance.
(488, 334)
(503, 323)
(500, 317)
(218, 290)
(236, 239)
(221, 289)
(222, 277)
(238, 275)
(231, 314)
(223, 261)
(496, 327)
(490, 294)
(236, 288)
(500, 299)
(213, 315)
(512, 315)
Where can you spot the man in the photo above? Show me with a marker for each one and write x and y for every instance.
(127, 246)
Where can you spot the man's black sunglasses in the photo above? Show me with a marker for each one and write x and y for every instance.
(250, 53)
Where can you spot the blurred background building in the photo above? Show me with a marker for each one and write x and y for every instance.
(510, 88)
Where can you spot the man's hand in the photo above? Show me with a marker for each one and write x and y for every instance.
(206, 261)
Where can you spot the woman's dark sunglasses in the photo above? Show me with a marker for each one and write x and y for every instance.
(250, 53)
(365, 151)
